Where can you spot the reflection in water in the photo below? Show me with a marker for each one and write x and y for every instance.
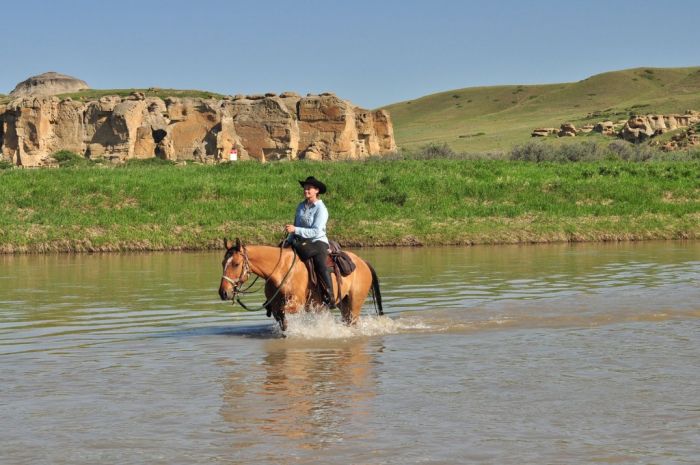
(306, 396)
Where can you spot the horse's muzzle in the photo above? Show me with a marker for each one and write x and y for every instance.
(226, 294)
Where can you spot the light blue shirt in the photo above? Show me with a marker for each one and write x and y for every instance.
(310, 221)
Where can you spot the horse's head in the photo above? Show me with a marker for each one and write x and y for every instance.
(236, 269)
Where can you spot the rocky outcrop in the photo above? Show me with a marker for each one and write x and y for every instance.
(586, 128)
(684, 140)
(567, 130)
(607, 128)
(635, 129)
(262, 127)
(640, 128)
(50, 83)
(328, 124)
(544, 132)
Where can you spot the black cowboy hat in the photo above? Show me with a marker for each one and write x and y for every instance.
(314, 182)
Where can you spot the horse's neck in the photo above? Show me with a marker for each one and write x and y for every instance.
(266, 261)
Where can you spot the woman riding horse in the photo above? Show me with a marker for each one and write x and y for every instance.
(288, 288)
(308, 234)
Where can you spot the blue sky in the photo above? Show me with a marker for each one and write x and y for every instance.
(371, 52)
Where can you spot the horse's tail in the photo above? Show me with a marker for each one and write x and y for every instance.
(376, 293)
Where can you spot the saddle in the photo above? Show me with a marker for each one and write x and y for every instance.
(339, 263)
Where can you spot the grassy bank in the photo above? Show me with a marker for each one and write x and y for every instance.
(399, 202)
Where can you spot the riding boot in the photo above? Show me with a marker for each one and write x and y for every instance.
(328, 299)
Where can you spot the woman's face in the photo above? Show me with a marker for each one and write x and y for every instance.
(310, 192)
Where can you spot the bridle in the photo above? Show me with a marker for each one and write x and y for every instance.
(245, 272)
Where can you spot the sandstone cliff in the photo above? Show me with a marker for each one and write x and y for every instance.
(261, 127)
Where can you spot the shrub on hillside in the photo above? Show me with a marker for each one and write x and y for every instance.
(587, 151)
(631, 152)
(532, 151)
(435, 151)
(689, 155)
(68, 159)
(584, 151)
(540, 152)
(426, 152)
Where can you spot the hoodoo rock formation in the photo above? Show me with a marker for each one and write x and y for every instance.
(262, 127)
(50, 83)
(638, 129)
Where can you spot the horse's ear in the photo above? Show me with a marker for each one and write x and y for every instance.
(238, 244)
(227, 243)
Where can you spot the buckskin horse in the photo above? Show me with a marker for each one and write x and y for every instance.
(288, 288)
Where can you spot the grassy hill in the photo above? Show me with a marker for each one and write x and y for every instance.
(496, 118)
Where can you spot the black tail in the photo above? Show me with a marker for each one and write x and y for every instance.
(376, 293)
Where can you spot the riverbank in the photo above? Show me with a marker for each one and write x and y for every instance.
(372, 203)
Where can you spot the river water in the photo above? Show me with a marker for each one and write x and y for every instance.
(561, 354)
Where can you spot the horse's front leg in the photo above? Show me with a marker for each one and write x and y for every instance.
(276, 305)
(276, 310)
(280, 318)
(282, 305)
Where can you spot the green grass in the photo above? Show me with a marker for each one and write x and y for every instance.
(68, 159)
(94, 94)
(376, 202)
(506, 115)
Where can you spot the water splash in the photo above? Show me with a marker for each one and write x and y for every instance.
(326, 325)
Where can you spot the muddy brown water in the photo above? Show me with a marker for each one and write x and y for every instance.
(559, 354)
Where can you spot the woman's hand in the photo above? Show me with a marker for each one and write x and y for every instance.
(290, 228)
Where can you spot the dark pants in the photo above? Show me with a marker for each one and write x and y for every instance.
(318, 253)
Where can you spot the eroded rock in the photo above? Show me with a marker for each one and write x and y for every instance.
(544, 132)
(635, 129)
(262, 127)
(605, 127)
(567, 130)
(50, 83)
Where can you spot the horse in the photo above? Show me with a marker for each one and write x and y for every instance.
(288, 288)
